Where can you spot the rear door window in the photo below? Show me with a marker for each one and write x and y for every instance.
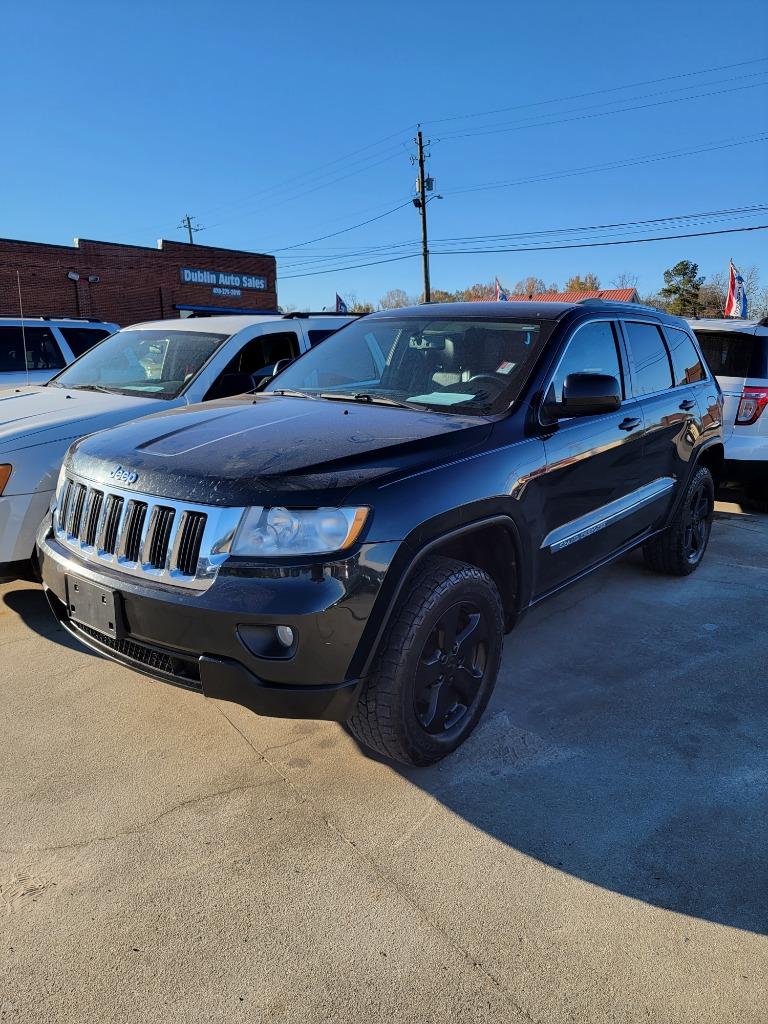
(687, 366)
(42, 349)
(80, 339)
(651, 371)
(733, 354)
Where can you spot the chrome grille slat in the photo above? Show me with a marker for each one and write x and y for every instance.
(75, 510)
(133, 529)
(177, 543)
(110, 530)
(156, 545)
(91, 517)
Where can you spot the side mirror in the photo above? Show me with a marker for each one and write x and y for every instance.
(280, 365)
(588, 394)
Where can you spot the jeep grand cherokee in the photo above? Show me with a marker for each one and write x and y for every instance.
(354, 542)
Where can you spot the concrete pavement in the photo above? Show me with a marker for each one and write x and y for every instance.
(597, 852)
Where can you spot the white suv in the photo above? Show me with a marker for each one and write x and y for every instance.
(143, 369)
(737, 353)
(33, 349)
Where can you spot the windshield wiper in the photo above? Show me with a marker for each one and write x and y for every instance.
(290, 393)
(91, 387)
(365, 396)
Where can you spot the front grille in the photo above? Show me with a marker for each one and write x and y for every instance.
(139, 535)
(185, 670)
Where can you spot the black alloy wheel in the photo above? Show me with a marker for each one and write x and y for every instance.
(436, 667)
(698, 522)
(451, 669)
(680, 547)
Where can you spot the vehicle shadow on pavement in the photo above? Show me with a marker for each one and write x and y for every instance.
(631, 754)
(32, 608)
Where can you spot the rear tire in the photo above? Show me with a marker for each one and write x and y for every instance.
(437, 665)
(680, 548)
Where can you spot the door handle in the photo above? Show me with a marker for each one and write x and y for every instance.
(629, 423)
(688, 404)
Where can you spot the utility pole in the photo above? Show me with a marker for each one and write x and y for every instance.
(421, 202)
(186, 222)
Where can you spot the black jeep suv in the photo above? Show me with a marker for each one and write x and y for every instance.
(353, 542)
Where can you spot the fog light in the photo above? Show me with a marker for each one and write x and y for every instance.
(285, 635)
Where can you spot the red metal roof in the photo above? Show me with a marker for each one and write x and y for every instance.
(609, 294)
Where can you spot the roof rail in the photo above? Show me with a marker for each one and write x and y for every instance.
(71, 319)
(74, 319)
(630, 306)
(304, 314)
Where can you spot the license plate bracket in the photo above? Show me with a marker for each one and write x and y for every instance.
(92, 605)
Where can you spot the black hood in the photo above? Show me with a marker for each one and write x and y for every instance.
(272, 449)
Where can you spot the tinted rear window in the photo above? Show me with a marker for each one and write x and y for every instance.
(42, 350)
(732, 354)
(80, 339)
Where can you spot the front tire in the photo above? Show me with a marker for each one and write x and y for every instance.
(680, 549)
(437, 666)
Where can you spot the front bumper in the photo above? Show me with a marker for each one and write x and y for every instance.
(20, 517)
(212, 641)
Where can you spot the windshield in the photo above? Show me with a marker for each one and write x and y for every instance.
(153, 363)
(475, 365)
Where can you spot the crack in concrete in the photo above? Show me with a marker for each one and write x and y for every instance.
(135, 830)
(382, 875)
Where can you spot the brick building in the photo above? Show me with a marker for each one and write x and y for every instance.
(130, 283)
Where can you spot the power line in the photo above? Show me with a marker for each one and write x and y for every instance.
(311, 172)
(535, 248)
(573, 172)
(676, 220)
(597, 92)
(614, 165)
(499, 129)
(343, 231)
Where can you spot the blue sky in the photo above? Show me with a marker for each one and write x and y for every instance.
(276, 124)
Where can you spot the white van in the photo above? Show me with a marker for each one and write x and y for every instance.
(33, 349)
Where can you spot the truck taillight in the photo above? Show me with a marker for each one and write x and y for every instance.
(753, 401)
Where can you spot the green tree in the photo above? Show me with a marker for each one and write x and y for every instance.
(589, 283)
(682, 285)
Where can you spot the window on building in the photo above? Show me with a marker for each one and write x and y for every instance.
(685, 359)
(80, 339)
(42, 350)
(650, 360)
(592, 349)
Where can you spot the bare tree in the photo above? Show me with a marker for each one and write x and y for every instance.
(626, 279)
(396, 298)
(355, 305)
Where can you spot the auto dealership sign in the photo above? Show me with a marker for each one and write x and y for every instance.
(220, 279)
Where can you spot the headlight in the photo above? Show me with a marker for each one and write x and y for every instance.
(283, 531)
(5, 476)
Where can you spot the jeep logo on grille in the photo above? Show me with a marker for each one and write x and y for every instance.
(124, 476)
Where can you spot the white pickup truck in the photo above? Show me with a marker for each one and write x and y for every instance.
(142, 369)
